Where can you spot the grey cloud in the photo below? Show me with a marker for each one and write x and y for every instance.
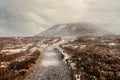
(105, 13)
(29, 17)
(21, 19)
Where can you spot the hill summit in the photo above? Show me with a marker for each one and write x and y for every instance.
(74, 30)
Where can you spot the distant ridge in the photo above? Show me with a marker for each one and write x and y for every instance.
(74, 30)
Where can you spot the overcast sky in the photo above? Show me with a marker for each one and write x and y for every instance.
(29, 17)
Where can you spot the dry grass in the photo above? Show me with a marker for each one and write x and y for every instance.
(92, 58)
(19, 55)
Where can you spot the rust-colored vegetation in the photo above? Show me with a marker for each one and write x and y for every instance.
(94, 58)
(18, 55)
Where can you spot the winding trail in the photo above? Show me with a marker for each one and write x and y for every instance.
(51, 66)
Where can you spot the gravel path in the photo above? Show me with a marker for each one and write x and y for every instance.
(51, 66)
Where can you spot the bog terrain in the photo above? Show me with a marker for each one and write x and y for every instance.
(70, 51)
(19, 55)
(93, 58)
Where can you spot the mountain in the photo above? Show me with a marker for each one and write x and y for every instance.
(74, 30)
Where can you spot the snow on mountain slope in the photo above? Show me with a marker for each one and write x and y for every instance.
(75, 30)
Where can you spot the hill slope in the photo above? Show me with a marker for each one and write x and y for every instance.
(74, 30)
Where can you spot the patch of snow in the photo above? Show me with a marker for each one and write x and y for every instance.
(112, 44)
(82, 46)
(66, 56)
(75, 47)
(77, 76)
(92, 39)
(79, 58)
(66, 45)
(47, 63)
(12, 51)
(3, 64)
(51, 54)
(16, 37)
(44, 45)
(72, 65)
(55, 40)
(104, 41)
(27, 45)
(69, 61)
(22, 58)
(34, 49)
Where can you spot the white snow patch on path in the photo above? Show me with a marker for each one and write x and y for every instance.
(50, 58)
(51, 66)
